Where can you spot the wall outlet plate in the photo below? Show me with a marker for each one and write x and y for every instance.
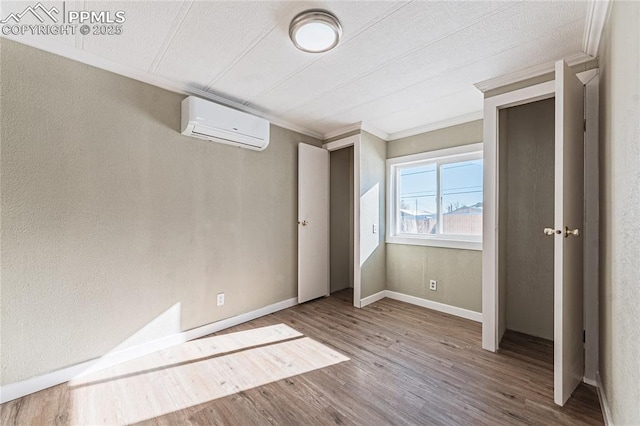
(433, 285)
(220, 299)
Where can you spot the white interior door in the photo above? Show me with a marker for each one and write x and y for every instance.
(569, 208)
(313, 222)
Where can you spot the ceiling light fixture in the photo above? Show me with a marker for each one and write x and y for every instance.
(315, 31)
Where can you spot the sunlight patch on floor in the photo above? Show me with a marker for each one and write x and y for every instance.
(195, 372)
(190, 351)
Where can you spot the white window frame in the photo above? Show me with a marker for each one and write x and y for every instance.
(441, 156)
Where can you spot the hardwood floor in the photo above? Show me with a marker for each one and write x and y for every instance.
(408, 365)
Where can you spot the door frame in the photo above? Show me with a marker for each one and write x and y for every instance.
(334, 146)
(490, 229)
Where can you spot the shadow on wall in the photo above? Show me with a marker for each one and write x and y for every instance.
(369, 222)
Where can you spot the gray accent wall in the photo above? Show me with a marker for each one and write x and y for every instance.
(409, 267)
(373, 154)
(118, 230)
(527, 207)
(341, 230)
(619, 217)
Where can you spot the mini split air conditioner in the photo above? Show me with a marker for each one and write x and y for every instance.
(207, 120)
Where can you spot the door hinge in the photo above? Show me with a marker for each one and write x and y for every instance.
(584, 336)
(584, 124)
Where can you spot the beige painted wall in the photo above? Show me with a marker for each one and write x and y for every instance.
(529, 208)
(458, 272)
(341, 232)
(620, 203)
(373, 153)
(110, 217)
(462, 134)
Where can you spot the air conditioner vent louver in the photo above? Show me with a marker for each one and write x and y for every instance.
(210, 121)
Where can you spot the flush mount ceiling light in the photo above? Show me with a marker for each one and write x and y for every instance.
(315, 31)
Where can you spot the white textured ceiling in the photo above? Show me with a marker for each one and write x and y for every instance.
(400, 65)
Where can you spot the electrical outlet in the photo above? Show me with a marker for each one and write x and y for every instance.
(220, 300)
(433, 285)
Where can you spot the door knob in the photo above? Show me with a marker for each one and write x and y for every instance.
(551, 231)
(574, 232)
(303, 223)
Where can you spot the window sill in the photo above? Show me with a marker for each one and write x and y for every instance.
(471, 244)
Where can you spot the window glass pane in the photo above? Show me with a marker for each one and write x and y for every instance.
(417, 211)
(462, 197)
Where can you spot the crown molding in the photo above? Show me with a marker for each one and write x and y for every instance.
(531, 72)
(597, 14)
(388, 137)
(453, 121)
(87, 58)
(357, 126)
(376, 132)
(342, 131)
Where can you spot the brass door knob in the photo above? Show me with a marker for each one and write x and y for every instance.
(574, 232)
(551, 231)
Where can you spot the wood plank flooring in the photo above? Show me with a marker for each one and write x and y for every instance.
(408, 365)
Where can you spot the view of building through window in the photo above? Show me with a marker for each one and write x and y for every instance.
(439, 198)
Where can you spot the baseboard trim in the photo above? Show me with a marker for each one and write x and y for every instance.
(436, 306)
(604, 403)
(34, 384)
(214, 327)
(425, 303)
(373, 298)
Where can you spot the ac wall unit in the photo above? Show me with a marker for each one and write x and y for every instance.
(207, 120)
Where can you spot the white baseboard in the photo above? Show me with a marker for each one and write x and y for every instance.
(425, 303)
(214, 327)
(604, 404)
(38, 383)
(436, 306)
(373, 298)
(35, 384)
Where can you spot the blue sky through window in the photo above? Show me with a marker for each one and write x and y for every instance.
(418, 189)
(461, 186)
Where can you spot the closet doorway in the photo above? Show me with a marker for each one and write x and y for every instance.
(344, 228)
(567, 230)
(341, 190)
(527, 157)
